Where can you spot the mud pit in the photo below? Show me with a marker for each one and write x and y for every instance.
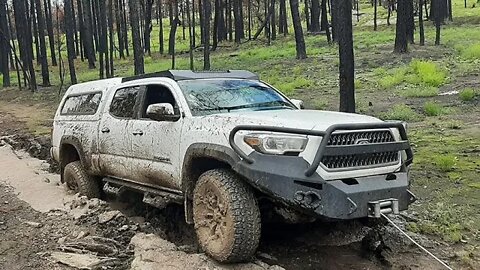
(42, 226)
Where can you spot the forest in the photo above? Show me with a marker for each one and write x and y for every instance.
(411, 60)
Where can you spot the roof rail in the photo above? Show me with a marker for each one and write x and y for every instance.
(180, 75)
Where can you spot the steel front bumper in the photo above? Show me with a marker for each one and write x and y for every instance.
(293, 181)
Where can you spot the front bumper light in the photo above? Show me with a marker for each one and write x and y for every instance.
(276, 144)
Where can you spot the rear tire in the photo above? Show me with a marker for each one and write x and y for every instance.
(80, 181)
(226, 216)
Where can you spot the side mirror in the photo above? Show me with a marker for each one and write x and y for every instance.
(298, 103)
(162, 112)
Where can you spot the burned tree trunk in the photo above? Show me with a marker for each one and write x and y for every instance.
(171, 40)
(110, 37)
(137, 43)
(410, 22)
(420, 23)
(325, 21)
(190, 33)
(51, 40)
(70, 41)
(88, 39)
(148, 26)
(160, 34)
(375, 4)
(347, 63)
(297, 28)
(119, 25)
(401, 42)
(315, 23)
(439, 13)
(207, 13)
(102, 40)
(43, 47)
(4, 44)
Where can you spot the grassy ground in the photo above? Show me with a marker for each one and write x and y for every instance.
(435, 88)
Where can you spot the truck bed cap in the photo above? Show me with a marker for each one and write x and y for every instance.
(180, 75)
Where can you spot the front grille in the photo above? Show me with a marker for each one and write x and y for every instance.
(360, 160)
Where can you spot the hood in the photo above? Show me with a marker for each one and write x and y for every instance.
(302, 119)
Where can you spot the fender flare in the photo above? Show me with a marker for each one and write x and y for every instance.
(75, 142)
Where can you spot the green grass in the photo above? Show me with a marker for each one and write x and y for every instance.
(433, 109)
(402, 112)
(467, 94)
(471, 52)
(427, 73)
(445, 163)
(420, 92)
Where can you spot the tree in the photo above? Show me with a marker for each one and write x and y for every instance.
(401, 44)
(190, 33)
(70, 40)
(171, 39)
(43, 48)
(375, 5)
(160, 35)
(347, 63)
(4, 44)
(439, 14)
(47, 4)
(410, 21)
(119, 25)
(315, 23)
(137, 43)
(24, 34)
(102, 46)
(207, 13)
(324, 21)
(148, 25)
(420, 23)
(88, 32)
(297, 28)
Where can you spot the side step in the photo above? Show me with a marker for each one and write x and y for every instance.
(153, 196)
(376, 208)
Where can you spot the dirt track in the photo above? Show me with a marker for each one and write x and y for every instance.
(41, 223)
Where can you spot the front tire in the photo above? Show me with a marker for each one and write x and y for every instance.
(80, 181)
(226, 216)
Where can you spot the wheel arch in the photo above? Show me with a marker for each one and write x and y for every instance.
(199, 158)
(70, 150)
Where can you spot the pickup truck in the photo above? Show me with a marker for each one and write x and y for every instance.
(232, 149)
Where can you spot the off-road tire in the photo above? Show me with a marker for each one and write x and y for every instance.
(241, 216)
(79, 180)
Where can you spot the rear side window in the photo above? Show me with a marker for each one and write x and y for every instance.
(124, 102)
(83, 104)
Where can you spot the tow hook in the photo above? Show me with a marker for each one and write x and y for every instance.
(309, 199)
(377, 208)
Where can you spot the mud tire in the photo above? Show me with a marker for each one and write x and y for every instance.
(79, 180)
(241, 224)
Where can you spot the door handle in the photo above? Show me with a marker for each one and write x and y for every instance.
(138, 132)
(105, 130)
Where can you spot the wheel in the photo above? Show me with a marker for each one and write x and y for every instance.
(226, 216)
(79, 181)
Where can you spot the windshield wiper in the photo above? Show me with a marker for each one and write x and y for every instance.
(277, 103)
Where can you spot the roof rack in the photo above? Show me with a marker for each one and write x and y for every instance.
(180, 75)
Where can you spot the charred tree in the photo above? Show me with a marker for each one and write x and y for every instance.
(119, 26)
(70, 40)
(75, 32)
(282, 18)
(347, 63)
(171, 39)
(148, 26)
(325, 21)
(333, 11)
(297, 28)
(137, 43)
(4, 43)
(43, 47)
(307, 14)
(49, 23)
(190, 33)
(216, 18)
(88, 32)
(315, 23)
(273, 21)
(110, 37)
(375, 5)
(401, 41)
(238, 20)
(160, 34)
(439, 10)
(125, 28)
(207, 13)
(410, 22)
(81, 29)
(103, 40)
(420, 23)
(32, 21)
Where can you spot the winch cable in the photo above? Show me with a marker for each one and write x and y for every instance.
(415, 242)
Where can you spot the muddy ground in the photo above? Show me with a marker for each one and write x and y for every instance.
(43, 226)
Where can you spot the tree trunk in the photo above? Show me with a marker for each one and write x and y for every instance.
(334, 15)
(125, 28)
(273, 21)
(297, 27)
(4, 44)
(325, 21)
(43, 48)
(81, 29)
(160, 34)
(439, 11)
(75, 32)
(51, 39)
(307, 15)
(171, 40)
(347, 63)
(216, 18)
(410, 22)
(137, 45)
(375, 4)
(34, 26)
(315, 23)
(14, 50)
(249, 11)
(401, 42)
(420, 23)
(110, 36)
(148, 26)
(190, 33)
(24, 35)
(119, 25)
(238, 20)
(88, 39)
(70, 40)
(207, 13)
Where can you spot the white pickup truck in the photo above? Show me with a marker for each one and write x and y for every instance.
(230, 148)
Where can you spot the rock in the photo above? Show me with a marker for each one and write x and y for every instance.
(46, 180)
(33, 224)
(123, 228)
(79, 261)
(82, 234)
(266, 256)
(107, 216)
(62, 240)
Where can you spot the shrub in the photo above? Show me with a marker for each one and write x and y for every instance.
(391, 80)
(428, 72)
(402, 112)
(432, 108)
(420, 92)
(472, 52)
(445, 163)
(467, 94)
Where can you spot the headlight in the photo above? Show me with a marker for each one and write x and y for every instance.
(276, 144)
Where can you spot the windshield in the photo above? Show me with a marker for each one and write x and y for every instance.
(224, 95)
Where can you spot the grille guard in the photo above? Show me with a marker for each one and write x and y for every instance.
(324, 149)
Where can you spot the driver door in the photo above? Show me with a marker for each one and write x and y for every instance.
(156, 144)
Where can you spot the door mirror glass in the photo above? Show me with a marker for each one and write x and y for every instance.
(298, 103)
(162, 112)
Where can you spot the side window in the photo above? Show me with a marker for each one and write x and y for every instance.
(124, 101)
(83, 104)
(158, 94)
